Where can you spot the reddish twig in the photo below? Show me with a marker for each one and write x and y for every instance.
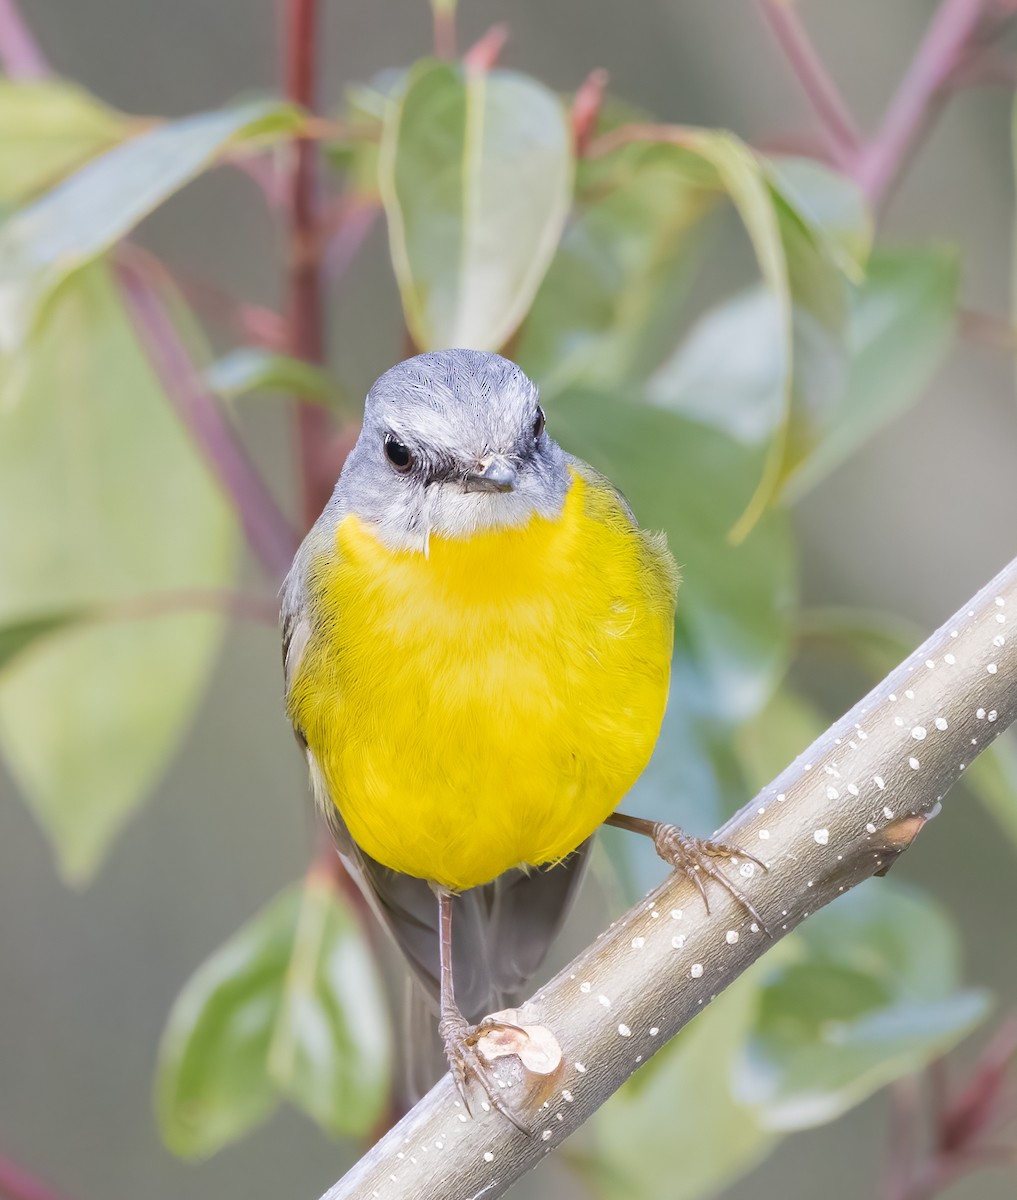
(962, 1124)
(304, 309)
(485, 52)
(948, 38)
(268, 533)
(20, 55)
(586, 106)
(18, 1184)
(346, 228)
(830, 107)
(987, 330)
(443, 16)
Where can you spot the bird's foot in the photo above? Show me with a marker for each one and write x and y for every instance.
(467, 1063)
(697, 859)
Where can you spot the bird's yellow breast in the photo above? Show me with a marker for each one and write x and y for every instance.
(488, 704)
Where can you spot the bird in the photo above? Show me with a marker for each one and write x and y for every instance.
(477, 642)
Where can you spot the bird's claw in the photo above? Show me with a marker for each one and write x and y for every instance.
(695, 858)
(460, 1039)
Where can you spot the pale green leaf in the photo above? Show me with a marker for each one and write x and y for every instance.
(255, 369)
(290, 1005)
(683, 1104)
(871, 994)
(476, 177)
(47, 129)
(833, 207)
(212, 1083)
(331, 1049)
(608, 308)
(41, 245)
(113, 502)
(900, 325)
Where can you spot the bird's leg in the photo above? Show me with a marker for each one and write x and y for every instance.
(694, 857)
(457, 1034)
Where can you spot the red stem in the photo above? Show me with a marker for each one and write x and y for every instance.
(20, 55)
(268, 533)
(18, 1184)
(948, 37)
(305, 308)
(833, 113)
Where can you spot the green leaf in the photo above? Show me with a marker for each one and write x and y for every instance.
(47, 129)
(682, 1100)
(831, 205)
(765, 366)
(254, 369)
(608, 308)
(992, 778)
(900, 325)
(735, 602)
(212, 1083)
(113, 502)
(476, 177)
(292, 1003)
(41, 245)
(775, 737)
(870, 995)
(331, 1049)
(16, 636)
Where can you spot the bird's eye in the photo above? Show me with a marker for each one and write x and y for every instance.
(397, 454)
(538, 423)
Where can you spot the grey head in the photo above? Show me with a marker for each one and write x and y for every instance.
(453, 442)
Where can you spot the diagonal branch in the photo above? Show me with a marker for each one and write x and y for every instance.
(950, 33)
(841, 812)
(20, 55)
(834, 115)
(268, 533)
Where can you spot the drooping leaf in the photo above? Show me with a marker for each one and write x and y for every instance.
(113, 502)
(16, 636)
(683, 1099)
(900, 322)
(833, 207)
(41, 245)
(290, 1005)
(254, 369)
(612, 296)
(476, 178)
(212, 1082)
(735, 602)
(47, 129)
(870, 994)
(608, 308)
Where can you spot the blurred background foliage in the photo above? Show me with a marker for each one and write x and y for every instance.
(721, 325)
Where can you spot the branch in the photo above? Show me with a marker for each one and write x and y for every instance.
(18, 1184)
(305, 309)
(841, 812)
(830, 107)
(268, 532)
(950, 33)
(20, 55)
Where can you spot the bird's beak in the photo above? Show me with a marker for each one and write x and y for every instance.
(494, 474)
